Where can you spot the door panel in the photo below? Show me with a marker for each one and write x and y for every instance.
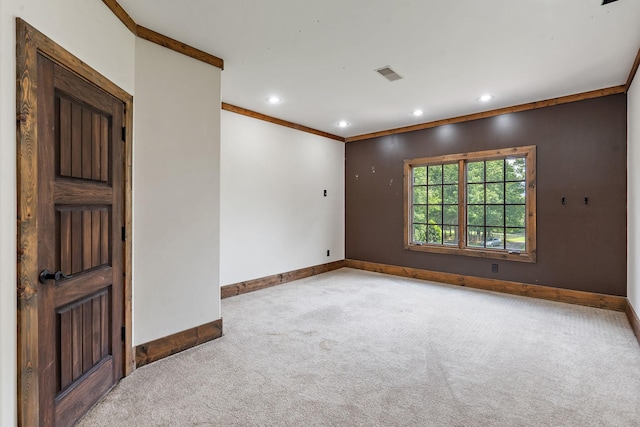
(84, 237)
(84, 142)
(84, 337)
(80, 217)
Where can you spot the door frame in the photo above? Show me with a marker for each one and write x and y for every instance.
(29, 43)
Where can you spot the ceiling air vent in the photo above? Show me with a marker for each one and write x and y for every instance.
(388, 74)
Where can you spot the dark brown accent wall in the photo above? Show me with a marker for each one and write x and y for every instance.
(581, 152)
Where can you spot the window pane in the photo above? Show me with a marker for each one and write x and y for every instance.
(420, 175)
(435, 174)
(515, 216)
(475, 194)
(419, 233)
(451, 173)
(495, 238)
(450, 235)
(495, 193)
(450, 215)
(516, 169)
(515, 192)
(516, 240)
(475, 172)
(434, 234)
(475, 215)
(495, 216)
(435, 214)
(495, 170)
(475, 237)
(420, 195)
(419, 214)
(450, 194)
(435, 194)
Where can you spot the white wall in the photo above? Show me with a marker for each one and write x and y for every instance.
(176, 171)
(91, 32)
(176, 191)
(633, 197)
(274, 217)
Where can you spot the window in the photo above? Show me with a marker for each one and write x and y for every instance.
(479, 204)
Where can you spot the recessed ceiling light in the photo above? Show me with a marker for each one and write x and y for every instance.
(417, 113)
(343, 124)
(274, 100)
(486, 97)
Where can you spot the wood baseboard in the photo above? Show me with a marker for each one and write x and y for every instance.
(277, 279)
(633, 320)
(589, 299)
(175, 343)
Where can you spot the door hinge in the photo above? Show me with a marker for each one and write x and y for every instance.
(124, 133)
(124, 333)
(124, 234)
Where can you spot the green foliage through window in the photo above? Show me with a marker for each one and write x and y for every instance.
(435, 204)
(495, 203)
(488, 190)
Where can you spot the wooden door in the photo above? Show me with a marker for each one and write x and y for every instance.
(80, 217)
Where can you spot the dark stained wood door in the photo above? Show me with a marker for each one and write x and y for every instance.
(80, 214)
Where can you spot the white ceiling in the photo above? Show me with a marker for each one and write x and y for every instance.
(320, 56)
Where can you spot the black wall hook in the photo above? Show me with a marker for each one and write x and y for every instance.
(563, 201)
(586, 200)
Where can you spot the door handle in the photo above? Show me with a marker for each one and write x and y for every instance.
(46, 275)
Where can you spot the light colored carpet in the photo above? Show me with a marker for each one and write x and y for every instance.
(352, 348)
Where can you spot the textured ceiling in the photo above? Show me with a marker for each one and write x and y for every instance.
(320, 57)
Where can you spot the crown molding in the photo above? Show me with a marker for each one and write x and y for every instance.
(260, 116)
(483, 115)
(632, 73)
(160, 39)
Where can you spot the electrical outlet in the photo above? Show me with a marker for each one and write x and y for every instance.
(494, 268)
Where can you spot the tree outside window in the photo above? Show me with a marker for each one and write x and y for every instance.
(477, 204)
